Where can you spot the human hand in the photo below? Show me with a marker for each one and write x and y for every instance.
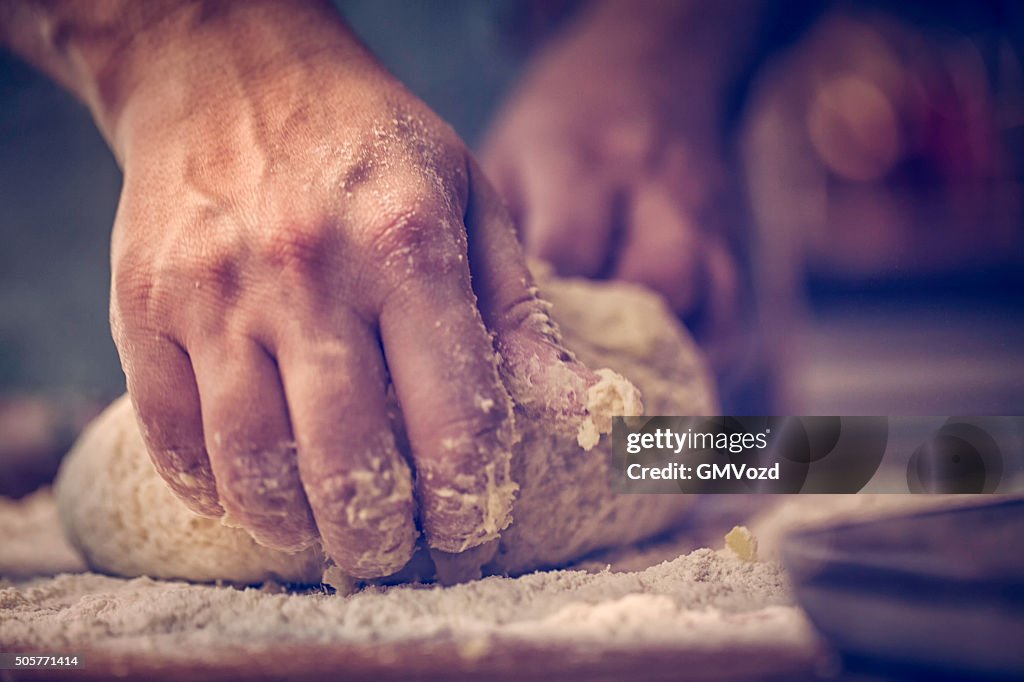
(609, 156)
(291, 236)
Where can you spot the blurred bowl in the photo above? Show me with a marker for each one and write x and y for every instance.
(938, 593)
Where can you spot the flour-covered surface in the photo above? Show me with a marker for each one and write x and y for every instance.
(704, 613)
(31, 541)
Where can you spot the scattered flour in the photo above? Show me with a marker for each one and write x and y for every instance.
(706, 600)
(31, 542)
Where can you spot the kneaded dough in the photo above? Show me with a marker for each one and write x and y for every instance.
(122, 517)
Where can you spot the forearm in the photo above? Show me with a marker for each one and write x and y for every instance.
(111, 53)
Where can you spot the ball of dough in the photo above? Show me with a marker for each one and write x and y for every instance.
(122, 517)
(117, 511)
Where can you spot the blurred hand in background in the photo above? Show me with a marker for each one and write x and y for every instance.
(610, 154)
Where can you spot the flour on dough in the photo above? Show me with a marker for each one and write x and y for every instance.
(125, 521)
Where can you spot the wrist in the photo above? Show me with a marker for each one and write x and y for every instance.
(183, 58)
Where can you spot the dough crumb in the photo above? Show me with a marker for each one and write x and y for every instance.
(612, 396)
(742, 543)
(342, 583)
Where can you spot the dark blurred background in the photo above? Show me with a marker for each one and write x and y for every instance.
(900, 124)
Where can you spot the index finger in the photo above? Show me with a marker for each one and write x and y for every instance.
(445, 372)
(545, 379)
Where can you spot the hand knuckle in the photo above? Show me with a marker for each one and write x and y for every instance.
(416, 245)
(298, 250)
(140, 299)
(214, 272)
(132, 287)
